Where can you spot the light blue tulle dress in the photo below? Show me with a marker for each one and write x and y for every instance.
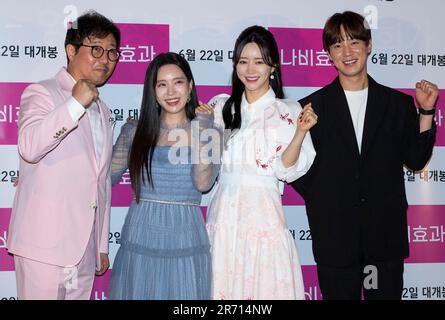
(164, 252)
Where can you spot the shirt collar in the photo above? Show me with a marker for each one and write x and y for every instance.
(265, 100)
(66, 80)
(69, 75)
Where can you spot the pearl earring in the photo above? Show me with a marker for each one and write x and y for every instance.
(272, 77)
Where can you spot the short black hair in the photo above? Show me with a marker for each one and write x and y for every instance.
(91, 24)
(354, 24)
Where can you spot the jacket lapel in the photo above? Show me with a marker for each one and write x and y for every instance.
(375, 111)
(106, 131)
(84, 124)
(338, 110)
(67, 83)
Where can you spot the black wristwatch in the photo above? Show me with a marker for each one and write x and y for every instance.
(427, 112)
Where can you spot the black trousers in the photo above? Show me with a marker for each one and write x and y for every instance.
(377, 280)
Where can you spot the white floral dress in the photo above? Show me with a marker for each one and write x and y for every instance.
(253, 253)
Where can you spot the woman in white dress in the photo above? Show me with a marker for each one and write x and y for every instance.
(253, 253)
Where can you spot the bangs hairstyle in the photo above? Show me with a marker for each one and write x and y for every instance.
(354, 24)
(269, 52)
(265, 41)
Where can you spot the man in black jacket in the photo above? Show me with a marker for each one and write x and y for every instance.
(354, 192)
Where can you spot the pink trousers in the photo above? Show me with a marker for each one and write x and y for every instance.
(40, 281)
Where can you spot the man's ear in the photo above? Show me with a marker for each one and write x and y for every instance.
(71, 51)
(369, 48)
(329, 56)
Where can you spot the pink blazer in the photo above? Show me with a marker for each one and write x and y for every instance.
(61, 183)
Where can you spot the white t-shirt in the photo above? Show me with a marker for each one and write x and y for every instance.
(357, 101)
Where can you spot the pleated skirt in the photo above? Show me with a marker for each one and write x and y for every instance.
(164, 254)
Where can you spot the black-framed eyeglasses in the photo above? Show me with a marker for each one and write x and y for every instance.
(98, 52)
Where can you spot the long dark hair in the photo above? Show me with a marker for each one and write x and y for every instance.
(147, 131)
(269, 52)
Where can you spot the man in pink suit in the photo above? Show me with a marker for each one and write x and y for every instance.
(60, 218)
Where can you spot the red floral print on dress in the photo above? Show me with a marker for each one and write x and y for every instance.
(286, 117)
(268, 162)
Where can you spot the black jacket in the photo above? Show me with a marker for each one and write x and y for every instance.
(356, 203)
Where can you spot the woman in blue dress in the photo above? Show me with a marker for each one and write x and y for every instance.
(165, 252)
